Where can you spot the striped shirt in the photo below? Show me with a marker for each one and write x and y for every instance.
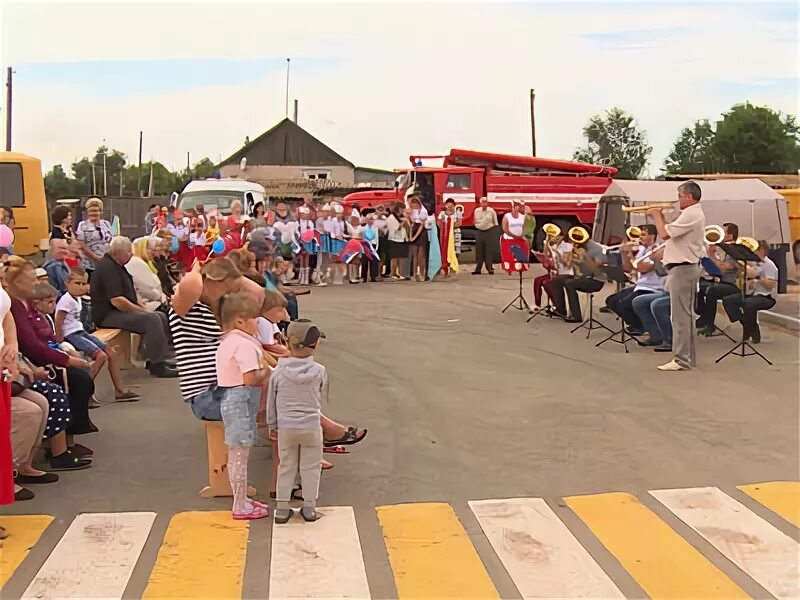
(196, 337)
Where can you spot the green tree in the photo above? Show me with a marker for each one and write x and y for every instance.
(92, 182)
(615, 139)
(57, 184)
(693, 151)
(204, 169)
(757, 139)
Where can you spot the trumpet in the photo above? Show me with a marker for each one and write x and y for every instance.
(660, 205)
(714, 234)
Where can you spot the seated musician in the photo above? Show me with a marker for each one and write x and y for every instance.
(587, 258)
(653, 310)
(650, 277)
(713, 291)
(761, 279)
(558, 263)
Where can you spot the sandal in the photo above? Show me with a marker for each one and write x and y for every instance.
(352, 436)
(35, 479)
(127, 396)
(282, 516)
(258, 512)
(69, 462)
(335, 450)
(294, 496)
(325, 465)
(81, 451)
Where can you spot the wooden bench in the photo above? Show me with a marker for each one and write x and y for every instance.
(219, 484)
(124, 343)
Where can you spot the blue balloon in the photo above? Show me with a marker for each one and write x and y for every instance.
(369, 234)
(175, 245)
(218, 247)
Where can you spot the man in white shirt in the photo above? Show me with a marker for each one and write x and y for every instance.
(648, 279)
(764, 278)
(685, 246)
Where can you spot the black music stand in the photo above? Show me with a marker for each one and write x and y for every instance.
(519, 301)
(590, 323)
(742, 255)
(616, 274)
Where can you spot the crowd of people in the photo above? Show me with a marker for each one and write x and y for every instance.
(185, 310)
(676, 285)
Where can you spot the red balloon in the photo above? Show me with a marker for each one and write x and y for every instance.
(307, 236)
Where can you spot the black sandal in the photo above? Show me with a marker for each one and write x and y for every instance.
(350, 437)
(294, 495)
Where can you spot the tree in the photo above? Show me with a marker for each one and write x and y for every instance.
(57, 184)
(615, 139)
(756, 139)
(92, 183)
(204, 169)
(693, 151)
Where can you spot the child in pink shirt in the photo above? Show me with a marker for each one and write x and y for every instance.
(241, 372)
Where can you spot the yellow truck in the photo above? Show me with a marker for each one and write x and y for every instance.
(793, 209)
(22, 190)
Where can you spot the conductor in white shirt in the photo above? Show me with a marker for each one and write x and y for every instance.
(685, 246)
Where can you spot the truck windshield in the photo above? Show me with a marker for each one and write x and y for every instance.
(210, 200)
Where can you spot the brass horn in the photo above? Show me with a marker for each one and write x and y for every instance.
(646, 207)
(714, 234)
(749, 243)
(578, 235)
(551, 230)
(634, 233)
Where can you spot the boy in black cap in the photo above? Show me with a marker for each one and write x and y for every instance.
(294, 399)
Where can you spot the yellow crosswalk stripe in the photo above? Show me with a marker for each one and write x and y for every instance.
(203, 556)
(431, 554)
(660, 560)
(23, 533)
(781, 497)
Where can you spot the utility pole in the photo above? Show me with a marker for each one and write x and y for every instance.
(188, 166)
(139, 189)
(105, 171)
(9, 98)
(295, 110)
(287, 87)
(533, 124)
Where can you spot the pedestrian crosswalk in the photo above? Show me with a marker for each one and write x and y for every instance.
(673, 543)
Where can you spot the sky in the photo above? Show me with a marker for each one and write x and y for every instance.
(379, 81)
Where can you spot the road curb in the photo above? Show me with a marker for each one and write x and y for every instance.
(785, 321)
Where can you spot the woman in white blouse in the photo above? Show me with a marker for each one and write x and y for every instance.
(149, 293)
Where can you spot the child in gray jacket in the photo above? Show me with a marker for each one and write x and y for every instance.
(294, 400)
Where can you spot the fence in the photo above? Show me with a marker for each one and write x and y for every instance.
(131, 212)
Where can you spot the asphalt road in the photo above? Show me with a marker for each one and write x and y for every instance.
(462, 403)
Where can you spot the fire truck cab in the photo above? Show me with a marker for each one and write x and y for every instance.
(558, 191)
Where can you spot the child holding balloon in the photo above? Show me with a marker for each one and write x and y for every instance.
(370, 261)
(324, 256)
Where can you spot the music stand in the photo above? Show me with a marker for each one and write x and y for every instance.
(616, 274)
(519, 301)
(590, 323)
(742, 255)
(712, 269)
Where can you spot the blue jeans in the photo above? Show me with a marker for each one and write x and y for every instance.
(206, 404)
(239, 407)
(653, 311)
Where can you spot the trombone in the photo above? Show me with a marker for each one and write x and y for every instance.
(633, 233)
(660, 205)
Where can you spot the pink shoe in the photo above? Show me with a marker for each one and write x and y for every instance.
(258, 512)
(261, 504)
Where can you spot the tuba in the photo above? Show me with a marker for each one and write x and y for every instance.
(749, 243)
(714, 234)
(551, 230)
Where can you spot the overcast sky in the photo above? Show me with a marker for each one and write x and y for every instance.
(378, 81)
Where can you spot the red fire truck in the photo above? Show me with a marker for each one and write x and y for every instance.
(558, 191)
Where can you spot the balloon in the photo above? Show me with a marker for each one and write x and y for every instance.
(174, 245)
(369, 234)
(6, 236)
(218, 247)
(352, 246)
(307, 236)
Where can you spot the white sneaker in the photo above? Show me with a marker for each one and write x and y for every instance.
(672, 366)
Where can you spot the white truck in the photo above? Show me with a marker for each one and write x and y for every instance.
(218, 194)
